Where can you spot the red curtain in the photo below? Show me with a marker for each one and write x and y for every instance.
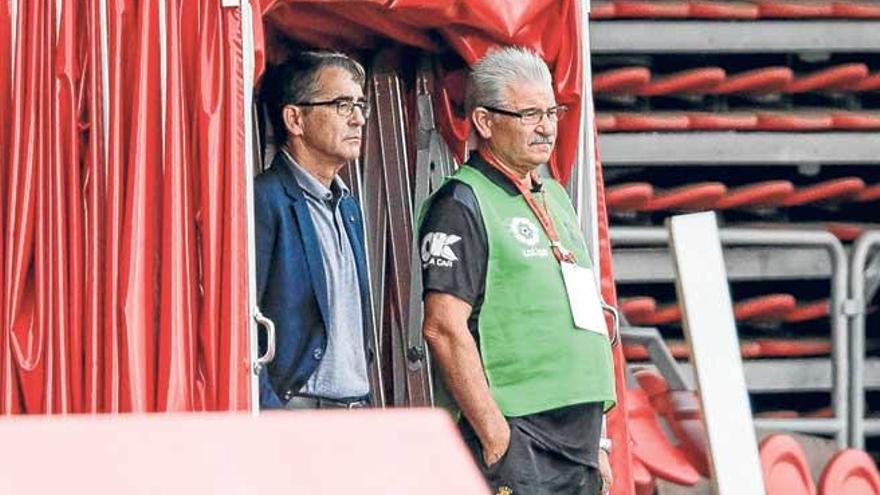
(124, 246)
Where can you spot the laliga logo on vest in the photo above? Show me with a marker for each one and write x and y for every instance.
(437, 250)
(526, 232)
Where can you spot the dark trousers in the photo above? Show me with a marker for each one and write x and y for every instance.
(529, 468)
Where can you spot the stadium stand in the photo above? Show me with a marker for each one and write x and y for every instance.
(772, 121)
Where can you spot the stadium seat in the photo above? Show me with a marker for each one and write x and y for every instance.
(704, 9)
(793, 121)
(650, 444)
(698, 80)
(836, 77)
(777, 9)
(721, 121)
(758, 81)
(605, 122)
(692, 197)
(869, 83)
(856, 10)
(850, 472)
(869, 193)
(808, 311)
(767, 307)
(626, 80)
(602, 10)
(681, 410)
(855, 120)
(759, 195)
(835, 189)
(642, 478)
(650, 121)
(785, 467)
(632, 196)
(845, 231)
(680, 350)
(649, 9)
(789, 348)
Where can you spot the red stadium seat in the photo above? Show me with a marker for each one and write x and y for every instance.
(633, 196)
(839, 76)
(870, 193)
(635, 352)
(776, 9)
(759, 195)
(856, 10)
(605, 122)
(650, 121)
(726, 121)
(705, 9)
(692, 197)
(649, 9)
(681, 410)
(794, 121)
(822, 412)
(846, 232)
(680, 350)
(794, 347)
(778, 414)
(813, 310)
(763, 80)
(768, 307)
(602, 10)
(689, 81)
(643, 479)
(850, 472)
(638, 309)
(826, 191)
(651, 446)
(869, 83)
(785, 467)
(623, 80)
(855, 120)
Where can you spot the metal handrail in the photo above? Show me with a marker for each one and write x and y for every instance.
(855, 309)
(839, 349)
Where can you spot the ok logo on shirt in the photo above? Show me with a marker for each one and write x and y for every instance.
(437, 249)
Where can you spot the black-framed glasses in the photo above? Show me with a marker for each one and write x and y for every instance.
(531, 116)
(345, 106)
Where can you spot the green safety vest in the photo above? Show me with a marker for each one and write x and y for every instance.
(534, 357)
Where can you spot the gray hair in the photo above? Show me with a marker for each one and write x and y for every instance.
(492, 74)
(296, 81)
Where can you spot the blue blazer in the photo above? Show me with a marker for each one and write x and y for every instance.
(291, 287)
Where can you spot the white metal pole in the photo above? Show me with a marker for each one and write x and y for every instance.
(247, 62)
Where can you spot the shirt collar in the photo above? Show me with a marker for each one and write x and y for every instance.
(312, 186)
(478, 162)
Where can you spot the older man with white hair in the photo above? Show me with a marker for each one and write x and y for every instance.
(504, 266)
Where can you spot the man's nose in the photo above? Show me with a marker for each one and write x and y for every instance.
(357, 117)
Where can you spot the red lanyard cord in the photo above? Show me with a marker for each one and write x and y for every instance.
(559, 252)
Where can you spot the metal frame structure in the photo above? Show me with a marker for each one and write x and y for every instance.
(855, 308)
(837, 425)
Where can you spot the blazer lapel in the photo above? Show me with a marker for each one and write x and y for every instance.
(311, 247)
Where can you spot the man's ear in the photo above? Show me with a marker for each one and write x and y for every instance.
(482, 123)
(293, 120)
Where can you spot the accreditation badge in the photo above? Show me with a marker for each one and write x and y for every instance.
(583, 298)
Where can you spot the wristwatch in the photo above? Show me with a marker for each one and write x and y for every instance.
(605, 444)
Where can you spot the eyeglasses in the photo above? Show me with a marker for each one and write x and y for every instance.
(531, 116)
(344, 106)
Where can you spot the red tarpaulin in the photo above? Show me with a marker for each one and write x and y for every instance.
(469, 28)
(124, 279)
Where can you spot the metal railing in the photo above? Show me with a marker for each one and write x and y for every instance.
(840, 393)
(855, 308)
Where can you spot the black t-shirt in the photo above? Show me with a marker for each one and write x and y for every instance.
(454, 250)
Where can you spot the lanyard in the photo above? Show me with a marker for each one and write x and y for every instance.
(561, 254)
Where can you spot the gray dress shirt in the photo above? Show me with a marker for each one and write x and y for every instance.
(342, 372)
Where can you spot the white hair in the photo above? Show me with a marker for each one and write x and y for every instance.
(495, 72)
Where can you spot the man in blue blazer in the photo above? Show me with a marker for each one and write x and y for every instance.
(311, 263)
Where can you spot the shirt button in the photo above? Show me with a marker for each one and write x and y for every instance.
(318, 354)
(288, 395)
